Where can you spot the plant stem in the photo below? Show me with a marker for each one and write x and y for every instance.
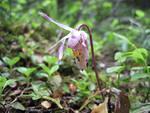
(118, 80)
(99, 81)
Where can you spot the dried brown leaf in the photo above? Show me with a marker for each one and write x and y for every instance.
(101, 108)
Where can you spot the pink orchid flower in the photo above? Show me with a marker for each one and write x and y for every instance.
(76, 40)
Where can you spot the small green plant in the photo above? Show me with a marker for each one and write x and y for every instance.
(41, 91)
(85, 85)
(26, 72)
(4, 83)
(49, 70)
(125, 60)
(11, 61)
(49, 67)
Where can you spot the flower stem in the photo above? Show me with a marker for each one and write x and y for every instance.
(99, 81)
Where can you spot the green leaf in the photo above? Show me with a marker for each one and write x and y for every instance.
(26, 71)
(9, 82)
(22, 1)
(140, 54)
(139, 76)
(124, 38)
(107, 5)
(18, 105)
(45, 68)
(34, 96)
(139, 68)
(2, 83)
(41, 75)
(48, 70)
(140, 13)
(142, 108)
(11, 61)
(40, 89)
(119, 56)
(53, 69)
(50, 59)
(115, 69)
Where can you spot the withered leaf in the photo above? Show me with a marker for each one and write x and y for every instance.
(101, 108)
(46, 104)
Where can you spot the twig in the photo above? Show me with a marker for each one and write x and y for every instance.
(21, 94)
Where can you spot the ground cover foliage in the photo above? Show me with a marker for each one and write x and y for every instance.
(34, 81)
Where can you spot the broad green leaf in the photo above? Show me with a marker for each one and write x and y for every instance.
(26, 71)
(119, 56)
(18, 105)
(49, 70)
(22, 1)
(2, 83)
(140, 68)
(139, 13)
(9, 82)
(124, 38)
(140, 54)
(107, 4)
(53, 69)
(143, 108)
(139, 76)
(11, 61)
(41, 75)
(34, 96)
(45, 68)
(50, 59)
(40, 89)
(115, 69)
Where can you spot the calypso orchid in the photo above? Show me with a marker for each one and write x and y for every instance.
(76, 40)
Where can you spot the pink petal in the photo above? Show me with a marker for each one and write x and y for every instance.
(84, 38)
(60, 51)
(74, 39)
(55, 22)
(57, 45)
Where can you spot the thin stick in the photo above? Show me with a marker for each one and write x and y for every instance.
(93, 57)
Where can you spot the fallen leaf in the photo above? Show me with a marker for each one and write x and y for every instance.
(56, 101)
(46, 104)
(101, 108)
